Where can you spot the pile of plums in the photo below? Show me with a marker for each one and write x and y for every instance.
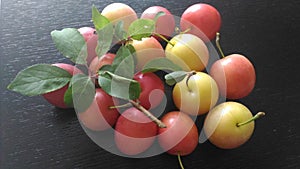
(182, 49)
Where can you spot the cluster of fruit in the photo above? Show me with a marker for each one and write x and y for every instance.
(118, 86)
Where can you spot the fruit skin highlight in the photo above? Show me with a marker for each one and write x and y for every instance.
(188, 51)
(56, 98)
(220, 125)
(180, 135)
(202, 20)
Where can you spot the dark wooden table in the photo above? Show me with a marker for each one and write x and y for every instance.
(34, 134)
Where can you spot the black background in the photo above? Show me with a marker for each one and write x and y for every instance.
(34, 134)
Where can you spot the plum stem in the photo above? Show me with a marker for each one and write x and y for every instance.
(179, 160)
(164, 38)
(258, 115)
(148, 114)
(192, 73)
(218, 44)
(120, 106)
(179, 32)
(186, 31)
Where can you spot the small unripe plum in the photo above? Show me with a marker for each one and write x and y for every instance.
(188, 51)
(196, 94)
(230, 125)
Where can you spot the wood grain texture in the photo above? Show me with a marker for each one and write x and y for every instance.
(36, 135)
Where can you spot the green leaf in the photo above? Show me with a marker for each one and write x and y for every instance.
(116, 79)
(108, 68)
(105, 37)
(123, 64)
(104, 31)
(141, 28)
(160, 64)
(71, 44)
(68, 99)
(119, 87)
(126, 67)
(99, 20)
(131, 48)
(175, 77)
(39, 79)
(120, 33)
(83, 92)
(104, 81)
